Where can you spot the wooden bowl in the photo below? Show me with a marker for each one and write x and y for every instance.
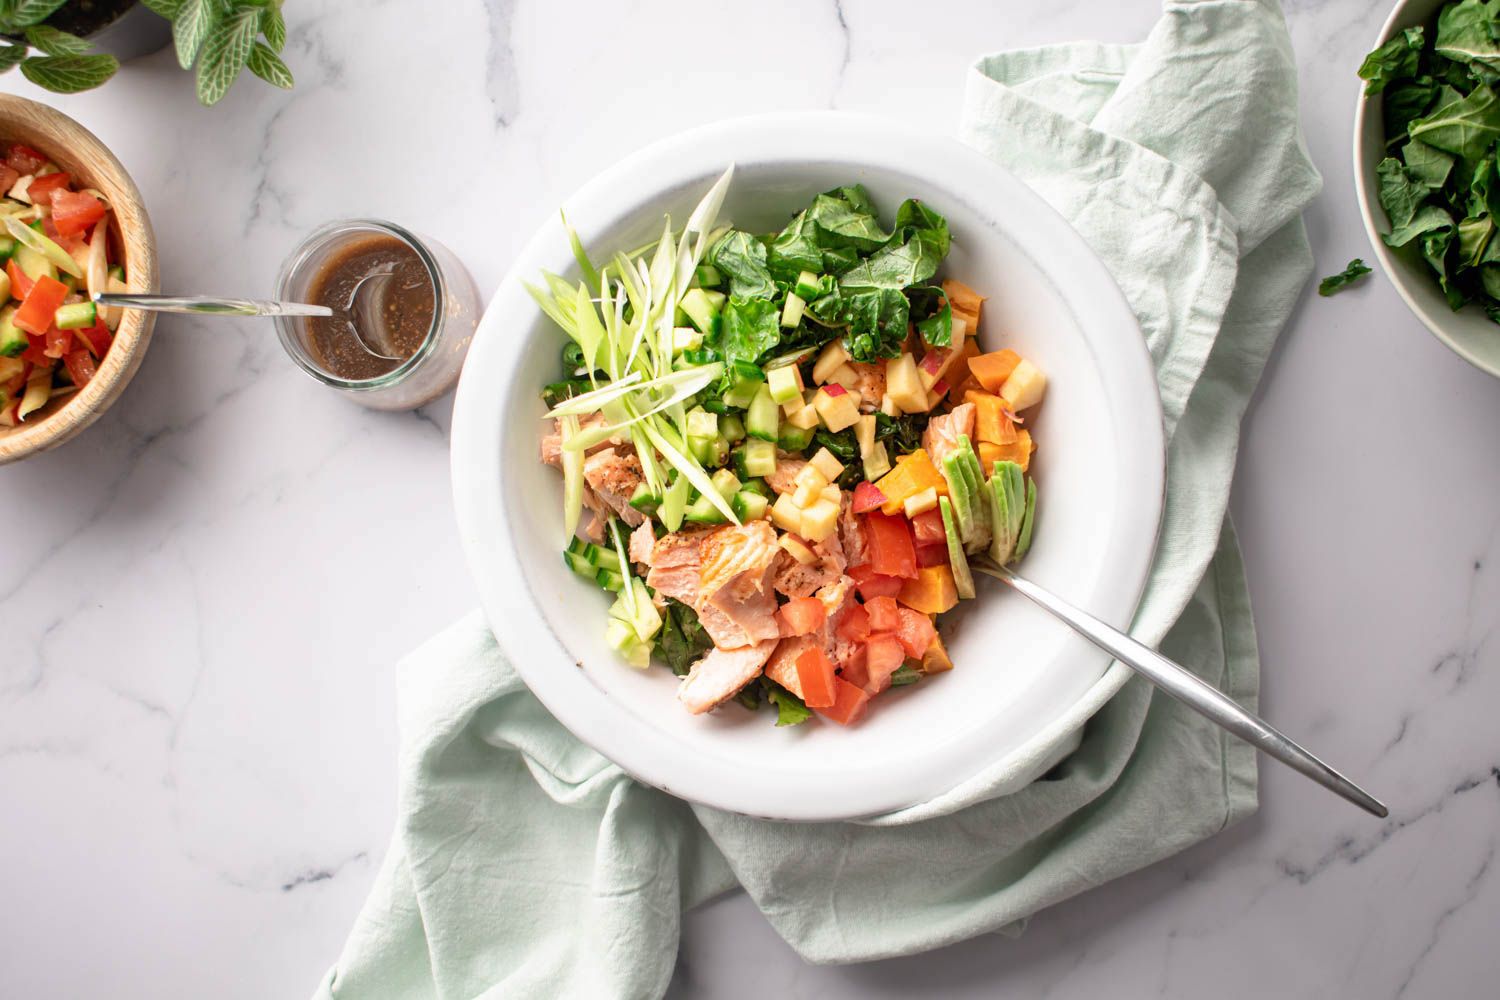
(80, 153)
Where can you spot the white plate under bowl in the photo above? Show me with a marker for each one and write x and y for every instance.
(1099, 467)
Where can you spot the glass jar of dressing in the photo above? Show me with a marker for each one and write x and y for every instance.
(427, 310)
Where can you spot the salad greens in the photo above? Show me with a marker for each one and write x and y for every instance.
(1335, 283)
(1438, 183)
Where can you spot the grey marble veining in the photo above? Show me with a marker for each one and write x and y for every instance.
(204, 595)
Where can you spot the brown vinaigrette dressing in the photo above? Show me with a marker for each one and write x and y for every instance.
(406, 308)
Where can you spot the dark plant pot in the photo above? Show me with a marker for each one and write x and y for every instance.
(123, 28)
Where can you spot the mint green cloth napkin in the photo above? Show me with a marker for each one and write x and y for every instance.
(525, 865)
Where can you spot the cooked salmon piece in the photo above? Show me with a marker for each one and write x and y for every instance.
(735, 582)
(613, 475)
(642, 541)
(552, 443)
(869, 383)
(794, 579)
(714, 679)
(782, 666)
(851, 533)
(783, 479)
(676, 564)
(943, 432)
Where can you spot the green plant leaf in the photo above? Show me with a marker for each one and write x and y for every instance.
(1466, 33)
(1426, 164)
(29, 12)
(743, 258)
(1467, 126)
(54, 42)
(1400, 194)
(1428, 219)
(1338, 282)
(273, 26)
(69, 74)
(1395, 60)
(11, 56)
(191, 26)
(749, 328)
(168, 9)
(268, 66)
(225, 53)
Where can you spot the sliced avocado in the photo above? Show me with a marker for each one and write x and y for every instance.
(1024, 544)
(959, 490)
(963, 580)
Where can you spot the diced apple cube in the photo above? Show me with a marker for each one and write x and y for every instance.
(920, 503)
(904, 385)
(785, 384)
(825, 463)
(828, 362)
(812, 476)
(806, 495)
(804, 417)
(785, 513)
(832, 493)
(864, 433)
(960, 334)
(838, 410)
(844, 375)
(798, 549)
(888, 406)
(820, 521)
(1024, 388)
(877, 462)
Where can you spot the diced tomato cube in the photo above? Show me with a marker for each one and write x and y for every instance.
(855, 625)
(927, 528)
(915, 631)
(885, 614)
(80, 365)
(73, 212)
(849, 703)
(891, 549)
(40, 191)
(802, 615)
(815, 674)
(932, 555)
(867, 497)
(23, 159)
(20, 284)
(8, 178)
(884, 655)
(39, 307)
(873, 584)
(96, 338)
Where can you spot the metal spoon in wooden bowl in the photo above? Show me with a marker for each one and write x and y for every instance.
(362, 313)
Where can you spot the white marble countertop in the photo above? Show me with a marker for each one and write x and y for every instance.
(203, 597)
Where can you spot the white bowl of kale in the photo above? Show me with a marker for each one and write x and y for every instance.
(1426, 172)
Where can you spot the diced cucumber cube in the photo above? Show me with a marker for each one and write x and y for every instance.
(732, 428)
(791, 313)
(685, 338)
(760, 458)
(75, 315)
(8, 247)
(703, 511)
(764, 415)
(701, 423)
(708, 276)
(749, 506)
(785, 383)
(701, 310)
(12, 338)
(726, 482)
(644, 500)
(794, 438)
(754, 485)
(808, 286)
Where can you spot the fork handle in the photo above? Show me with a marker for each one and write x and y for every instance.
(1194, 692)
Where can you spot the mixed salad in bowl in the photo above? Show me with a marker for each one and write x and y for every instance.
(782, 450)
(57, 251)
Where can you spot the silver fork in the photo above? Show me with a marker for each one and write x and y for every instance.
(1197, 694)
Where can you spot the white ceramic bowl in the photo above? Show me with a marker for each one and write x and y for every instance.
(1471, 334)
(1100, 469)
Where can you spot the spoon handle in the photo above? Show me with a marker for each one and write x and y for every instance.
(1192, 691)
(206, 305)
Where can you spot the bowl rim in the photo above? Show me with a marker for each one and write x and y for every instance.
(78, 145)
(513, 609)
(1366, 117)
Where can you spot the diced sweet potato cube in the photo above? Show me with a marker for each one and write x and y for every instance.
(1018, 451)
(994, 368)
(936, 660)
(913, 474)
(962, 298)
(932, 592)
